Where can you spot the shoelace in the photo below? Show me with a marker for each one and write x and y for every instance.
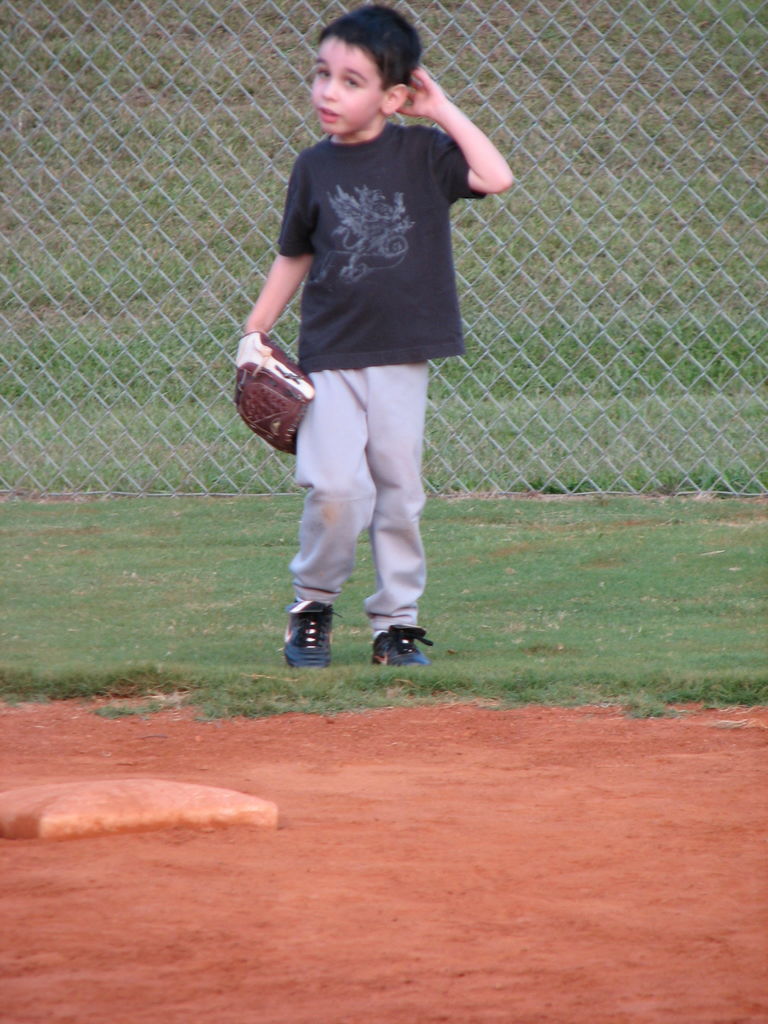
(312, 629)
(406, 639)
(311, 634)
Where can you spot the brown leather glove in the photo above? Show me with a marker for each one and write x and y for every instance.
(271, 391)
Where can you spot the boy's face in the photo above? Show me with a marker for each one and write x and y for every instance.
(347, 93)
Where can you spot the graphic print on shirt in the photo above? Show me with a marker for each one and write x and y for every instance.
(371, 234)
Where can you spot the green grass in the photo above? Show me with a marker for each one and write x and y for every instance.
(643, 603)
(544, 442)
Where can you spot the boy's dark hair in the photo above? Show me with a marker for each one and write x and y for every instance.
(391, 41)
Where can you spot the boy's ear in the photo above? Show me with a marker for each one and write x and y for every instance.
(394, 99)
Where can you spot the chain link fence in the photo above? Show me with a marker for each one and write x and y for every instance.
(614, 299)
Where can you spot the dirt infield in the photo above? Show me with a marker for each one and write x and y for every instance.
(439, 864)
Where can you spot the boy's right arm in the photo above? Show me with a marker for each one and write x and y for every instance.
(282, 283)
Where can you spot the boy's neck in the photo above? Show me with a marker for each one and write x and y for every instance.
(360, 138)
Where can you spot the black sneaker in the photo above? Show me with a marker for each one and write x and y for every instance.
(398, 646)
(308, 636)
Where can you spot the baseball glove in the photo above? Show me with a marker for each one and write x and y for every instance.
(271, 391)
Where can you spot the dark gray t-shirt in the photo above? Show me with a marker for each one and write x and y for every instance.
(375, 216)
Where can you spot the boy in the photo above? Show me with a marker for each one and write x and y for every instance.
(366, 227)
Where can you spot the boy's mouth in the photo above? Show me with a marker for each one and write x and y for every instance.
(327, 116)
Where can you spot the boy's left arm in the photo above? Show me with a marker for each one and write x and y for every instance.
(488, 170)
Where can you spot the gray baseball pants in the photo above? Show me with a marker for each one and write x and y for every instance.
(359, 456)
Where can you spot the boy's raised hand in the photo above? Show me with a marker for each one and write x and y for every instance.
(425, 97)
(488, 169)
